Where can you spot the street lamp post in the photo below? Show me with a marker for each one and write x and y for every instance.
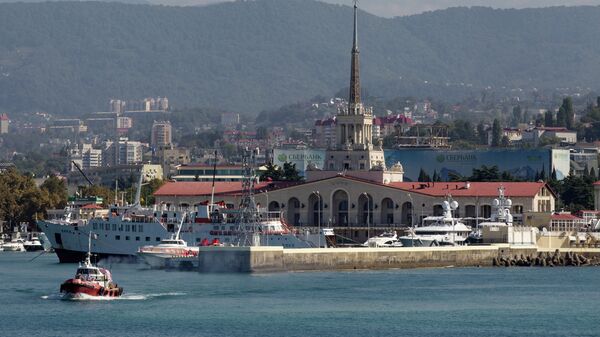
(318, 215)
(412, 206)
(368, 215)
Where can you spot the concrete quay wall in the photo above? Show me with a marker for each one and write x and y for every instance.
(273, 259)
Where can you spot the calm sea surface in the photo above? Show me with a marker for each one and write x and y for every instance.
(423, 302)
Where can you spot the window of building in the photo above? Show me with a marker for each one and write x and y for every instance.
(127, 238)
(117, 237)
(147, 238)
(137, 238)
(157, 239)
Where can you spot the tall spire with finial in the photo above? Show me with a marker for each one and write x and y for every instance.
(355, 69)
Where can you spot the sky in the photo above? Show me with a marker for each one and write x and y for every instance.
(391, 8)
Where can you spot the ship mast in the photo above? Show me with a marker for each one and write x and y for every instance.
(247, 217)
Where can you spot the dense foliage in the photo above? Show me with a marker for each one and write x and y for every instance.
(69, 57)
(22, 201)
(288, 172)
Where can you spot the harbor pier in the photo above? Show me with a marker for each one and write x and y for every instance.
(279, 259)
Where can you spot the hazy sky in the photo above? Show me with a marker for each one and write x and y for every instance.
(390, 8)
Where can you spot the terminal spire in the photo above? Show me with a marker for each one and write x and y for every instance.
(355, 67)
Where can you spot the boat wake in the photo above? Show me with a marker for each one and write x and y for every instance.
(125, 297)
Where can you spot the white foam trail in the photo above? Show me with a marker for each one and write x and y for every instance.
(125, 297)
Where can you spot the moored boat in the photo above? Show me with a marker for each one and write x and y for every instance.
(386, 239)
(15, 245)
(33, 243)
(169, 253)
(444, 230)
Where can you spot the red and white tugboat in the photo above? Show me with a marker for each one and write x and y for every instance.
(90, 281)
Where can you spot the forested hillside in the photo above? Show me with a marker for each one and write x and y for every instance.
(72, 57)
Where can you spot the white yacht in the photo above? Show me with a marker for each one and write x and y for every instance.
(15, 245)
(438, 230)
(33, 243)
(169, 253)
(385, 239)
(500, 217)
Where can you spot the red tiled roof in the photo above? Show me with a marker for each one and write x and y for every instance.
(476, 189)
(564, 216)
(195, 188)
(597, 183)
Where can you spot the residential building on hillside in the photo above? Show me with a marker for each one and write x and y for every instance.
(161, 134)
(230, 120)
(324, 133)
(4, 121)
(124, 123)
(74, 125)
(85, 156)
(127, 152)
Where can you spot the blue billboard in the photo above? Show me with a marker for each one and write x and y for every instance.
(522, 163)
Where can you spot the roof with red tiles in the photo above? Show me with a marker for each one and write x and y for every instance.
(564, 216)
(597, 183)
(475, 189)
(195, 188)
(438, 189)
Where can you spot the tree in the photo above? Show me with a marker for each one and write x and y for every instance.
(561, 117)
(436, 176)
(290, 173)
(99, 191)
(485, 173)
(272, 172)
(496, 133)
(423, 176)
(21, 200)
(569, 113)
(553, 175)
(517, 115)
(482, 134)
(505, 142)
(576, 193)
(262, 132)
(549, 118)
(56, 190)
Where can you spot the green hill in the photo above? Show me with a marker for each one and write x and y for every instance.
(72, 57)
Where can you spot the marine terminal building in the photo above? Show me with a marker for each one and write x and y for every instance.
(355, 190)
(352, 205)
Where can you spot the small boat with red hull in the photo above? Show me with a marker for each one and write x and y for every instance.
(90, 281)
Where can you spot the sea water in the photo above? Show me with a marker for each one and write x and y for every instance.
(409, 302)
